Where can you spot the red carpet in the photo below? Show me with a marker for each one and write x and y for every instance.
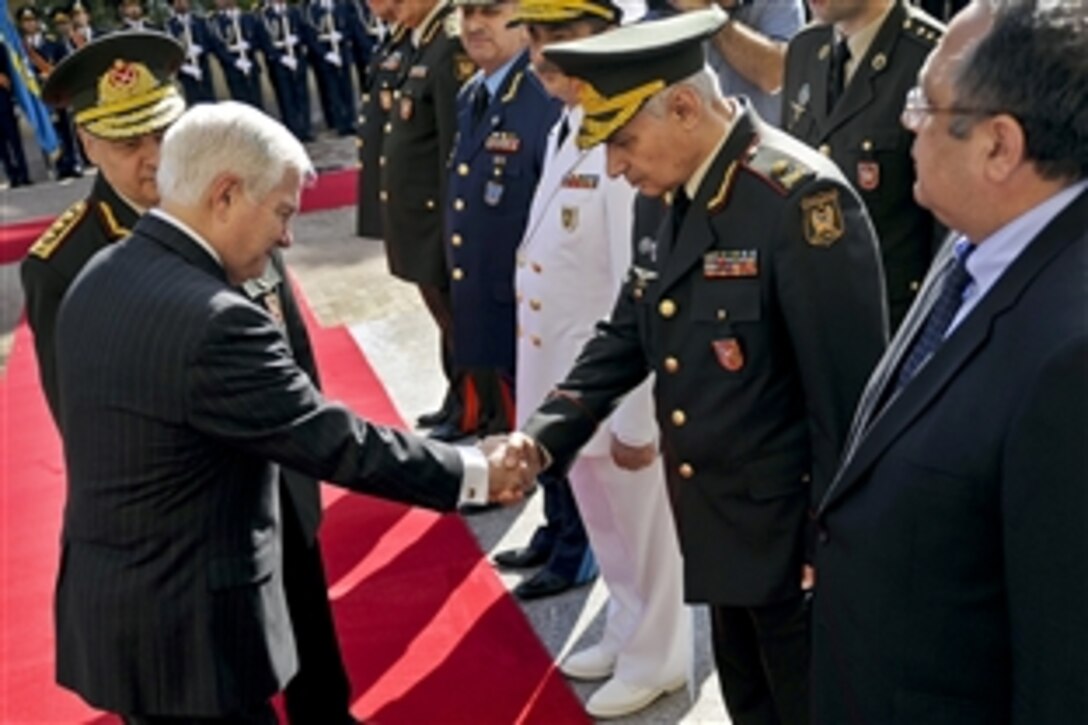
(333, 189)
(427, 630)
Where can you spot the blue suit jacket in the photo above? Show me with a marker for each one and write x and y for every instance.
(494, 171)
(178, 393)
(952, 563)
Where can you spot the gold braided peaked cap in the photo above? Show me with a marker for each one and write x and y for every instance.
(565, 11)
(623, 68)
(120, 85)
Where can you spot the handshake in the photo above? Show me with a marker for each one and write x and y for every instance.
(513, 462)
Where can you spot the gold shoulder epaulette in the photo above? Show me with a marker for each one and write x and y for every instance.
(922, 27)
(781, 171)
(721, 196)
(113, 228)
(58, 231)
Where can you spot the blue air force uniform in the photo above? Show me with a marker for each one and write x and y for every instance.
(494, 171)
(236, 36)
(284, 47)
(195, 72)
(330, 41)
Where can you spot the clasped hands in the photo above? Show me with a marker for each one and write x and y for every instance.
(513, 462)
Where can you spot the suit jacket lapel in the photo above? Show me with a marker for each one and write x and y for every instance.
(860, 91)
(677, 256)
(957, 350)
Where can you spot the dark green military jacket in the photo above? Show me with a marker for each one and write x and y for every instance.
(762, 321)
(864, 136)
(57, 257)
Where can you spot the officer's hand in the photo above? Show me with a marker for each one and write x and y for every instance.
(632, 458)
(513, 464)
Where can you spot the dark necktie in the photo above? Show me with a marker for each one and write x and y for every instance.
(681, 202)
(564, 131)
(940, 317)
(480, 101)
(836, 79)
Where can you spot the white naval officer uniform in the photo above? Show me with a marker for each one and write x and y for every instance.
(573, 257)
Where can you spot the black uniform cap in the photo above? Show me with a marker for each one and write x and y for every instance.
(120, 85)
(623, 68)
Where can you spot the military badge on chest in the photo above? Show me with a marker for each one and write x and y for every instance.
(868, 175)
(823, 221)
(406, 108)
(568, 215)
(730, 354)
(800, 104)
(731, 264)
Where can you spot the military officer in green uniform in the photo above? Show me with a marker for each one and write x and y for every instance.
(122, 99)
(759, 306)
(418, 139)
(846, 82)
(382, 72)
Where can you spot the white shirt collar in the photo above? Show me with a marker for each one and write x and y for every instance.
(200, 241)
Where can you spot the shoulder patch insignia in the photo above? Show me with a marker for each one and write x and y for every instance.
(823, 220)
(58, 231)
(463, 67)
(779, 170)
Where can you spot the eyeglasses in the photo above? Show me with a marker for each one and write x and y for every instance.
(917, 106)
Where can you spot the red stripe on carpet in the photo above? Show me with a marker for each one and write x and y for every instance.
(332, 190)
(428, 633)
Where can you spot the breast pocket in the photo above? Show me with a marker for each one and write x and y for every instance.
(724, 311)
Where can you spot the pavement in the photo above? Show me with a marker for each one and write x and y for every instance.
(346, 282)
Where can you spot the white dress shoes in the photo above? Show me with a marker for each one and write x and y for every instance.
(617, 698)
(592, 663)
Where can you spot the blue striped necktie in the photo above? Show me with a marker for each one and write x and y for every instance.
(940, 316)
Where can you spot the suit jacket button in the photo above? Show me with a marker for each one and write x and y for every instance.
(667, 308)
(685, 470)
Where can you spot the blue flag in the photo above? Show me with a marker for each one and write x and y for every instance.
(24, 87)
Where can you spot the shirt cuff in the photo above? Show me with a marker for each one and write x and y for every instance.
(474, 488)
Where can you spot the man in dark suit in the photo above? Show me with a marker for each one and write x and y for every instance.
(377, 84)
(759, 306)
(178, 397)
(845, 83)
(419, 131)
(952, 563)
(503, 119)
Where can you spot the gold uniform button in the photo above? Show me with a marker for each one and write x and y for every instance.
(671, 364)
(667, 308)
(456, 240)
(458, 204)
(366, 97)
(723, 314)
(536, 267)
(429, 204)
(637, 293)
(535, 305)
(381, 161)
(462, 169)
(685, 470)
(388, 126)
(914, 285)
(866, 145)
(537, 342)
(679, 418)
(383, 195)
(825, 150)
(519, 297)
(458, 274)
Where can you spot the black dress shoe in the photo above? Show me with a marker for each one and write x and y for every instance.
(430, 420)
(544, 583)
(522, 558)
(448, 432)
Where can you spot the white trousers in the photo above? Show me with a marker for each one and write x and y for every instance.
(630, 526)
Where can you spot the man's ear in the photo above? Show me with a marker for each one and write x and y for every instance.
(224, 193)
(1007, 146)
(685, 105)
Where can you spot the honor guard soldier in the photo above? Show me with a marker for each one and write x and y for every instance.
(579, 237)
(329, 23)
(44, 52)
(131, 15)
(365, 31)
(758, 306)
(283, 44)
(421, 107)
(236, 36)
(11, 140)
(377, 83)
(120, 93)
(192, 32)
(846, 83)
(503, 119)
